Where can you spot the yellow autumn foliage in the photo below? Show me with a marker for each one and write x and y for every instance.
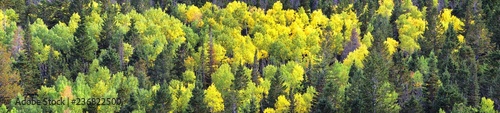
(213, 99)
(243, 48)
(386, 7)
(282, 104)
(411, 27)
(123, 23)
(391, 45)
(269, 110)
(73, 22)
(193, 14)
(357, 57)
(318, 19)
(367, 39)
(446, 18)
(461, 39)
(303, 102)
(2, 17)
(219, 52)
(128, 50)
(292, 75)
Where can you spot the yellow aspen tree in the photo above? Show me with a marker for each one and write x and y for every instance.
(9, 78)
(303, 102)
(243, 48)
(411, 27)
(391, 46)
(282, 105)
(223, 78)
(180, 94)
(269, 110)
(156, 29)
(445, 19)
(214, 99)
(357, 57)
(8, 19)
(193, 13)
(292, 74)
(40, 34)
(487, 106)
(94, 22)
(386, 7)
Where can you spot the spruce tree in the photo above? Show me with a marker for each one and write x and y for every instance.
(491, 15)
(467, 76)
(276, 90)
(360, 94)
(432, 83)
(430, 33)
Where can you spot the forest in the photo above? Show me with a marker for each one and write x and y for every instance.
(265, 56)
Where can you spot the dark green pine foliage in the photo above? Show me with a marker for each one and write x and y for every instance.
(412, 106)
(324, 88)
(369, 89)
(477, 36)
(400, 75)
(125, 93)
(463, 108)
(372, 80)
(431, 84)
(325, 6)
(132, 37)
(491, 15)
(55, 67)
(445, 54)
(275, 91)
(84, 51)
(325, 101)
(395, 15)
(380, 32)
(365, 15)
(420, 3)
(459, 7)
(196, 102)
(169, 64)
(162, 99)
(467, 78)
(341, 5)
(52, 12)
(359, 95)
(110, 58)
(140, 5)
(377, 76)
(107, 34)
(78, 7)
(412, 96)
(430, 33)
(20, 7)
(162, 70)
(328, 53)
(306, 4)
(241, 79)
(231, 100)
(239, 83)
(489, 79)
(27, 67)
(111, 40)
(448, 94)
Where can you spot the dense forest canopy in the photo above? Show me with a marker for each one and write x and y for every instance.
(251, 55)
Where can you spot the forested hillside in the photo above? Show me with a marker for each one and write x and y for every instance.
(361, 56)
